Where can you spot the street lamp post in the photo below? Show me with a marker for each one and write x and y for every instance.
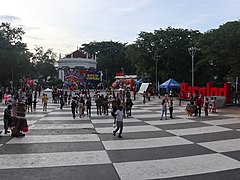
(106, 76)
(192, 51)
(155, 58)
(156, 61)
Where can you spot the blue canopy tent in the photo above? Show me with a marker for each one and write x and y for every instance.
(169, 84)
(139, 82)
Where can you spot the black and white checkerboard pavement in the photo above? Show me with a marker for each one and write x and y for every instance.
(60, 147)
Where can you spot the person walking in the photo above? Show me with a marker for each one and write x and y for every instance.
(69, 98)
(164, 109)
(119, 121)
(129, 105)
(65, 97)
(73, 107)
(114, 108)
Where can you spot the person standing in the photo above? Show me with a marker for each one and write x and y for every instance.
(35, 102)
(206, 105)
(180, 98)
(65, 97)
(61, 101)
(199, 105)
(81, 107)
(105, 105)
(123, 104)
(210, 104)
(214, 105)
(134, 94)
(171, 107)
(7, 119)
(144, 97)
(14, 107)
(44, 102)
(98, 102)
(119, 121)
(164, 109)
(30, 101)
(88, 105)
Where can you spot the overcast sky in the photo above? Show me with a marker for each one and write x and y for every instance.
(64, 25)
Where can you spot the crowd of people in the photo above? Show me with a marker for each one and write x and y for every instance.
(195, 105)
(118, 105)
(17, 105)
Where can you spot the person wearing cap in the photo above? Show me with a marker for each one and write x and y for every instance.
(7, 119)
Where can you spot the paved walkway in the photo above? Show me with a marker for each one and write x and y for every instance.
(60, 147)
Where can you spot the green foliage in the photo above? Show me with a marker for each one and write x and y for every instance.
(45, 63)
(220, 53)
(55, 82)
(167, 47)
(217, 60)
(14, 57)
(17, 62)
(111, 57)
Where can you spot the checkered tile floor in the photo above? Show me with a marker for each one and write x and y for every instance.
(60, 147)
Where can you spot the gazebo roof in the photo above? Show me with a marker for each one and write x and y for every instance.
(76, 54)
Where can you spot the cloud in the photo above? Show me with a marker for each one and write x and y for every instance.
(31, 28)
(34, 37)
(9, 18)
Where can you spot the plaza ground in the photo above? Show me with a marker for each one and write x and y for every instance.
(60, 147)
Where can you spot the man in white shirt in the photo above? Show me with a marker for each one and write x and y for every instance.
(119, 118)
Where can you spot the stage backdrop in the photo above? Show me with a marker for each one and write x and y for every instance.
(80, 79)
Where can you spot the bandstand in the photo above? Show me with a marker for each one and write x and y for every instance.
(78, 70)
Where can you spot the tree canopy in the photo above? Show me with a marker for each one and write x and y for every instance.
(111, 57)
(216, 61)
(16, 61)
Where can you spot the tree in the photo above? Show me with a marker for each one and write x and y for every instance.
(220, 53)
(14, 56)
(44, 63)
(169, 47)
(111, 57)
